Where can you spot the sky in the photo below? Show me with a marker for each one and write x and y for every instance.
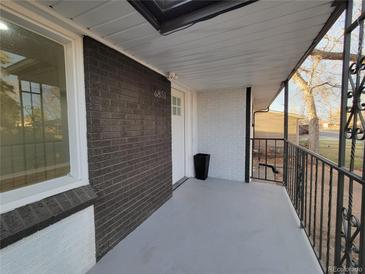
(331, 72)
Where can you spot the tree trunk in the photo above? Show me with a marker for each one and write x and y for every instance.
(310, 105)
(313, 126)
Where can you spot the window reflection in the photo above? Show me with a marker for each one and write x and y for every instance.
(33, 123)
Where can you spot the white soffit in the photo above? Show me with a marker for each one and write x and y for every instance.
(257, 45)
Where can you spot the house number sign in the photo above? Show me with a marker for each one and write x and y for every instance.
(159, 93)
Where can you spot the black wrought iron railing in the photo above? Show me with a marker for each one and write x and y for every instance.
(328, 201)
(268, 159)
(329, 197)
(326, 197)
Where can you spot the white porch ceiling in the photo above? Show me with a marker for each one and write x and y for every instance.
(257, 45)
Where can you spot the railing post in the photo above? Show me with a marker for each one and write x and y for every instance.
(302, 171)
(362, 226)
(362, 210)
(286, 107)
(342, 142)
(297, 181)
(248, 135)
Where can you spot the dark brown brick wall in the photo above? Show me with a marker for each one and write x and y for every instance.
(129, 141)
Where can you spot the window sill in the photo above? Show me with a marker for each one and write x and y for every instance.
(26, 220)
(25, 195)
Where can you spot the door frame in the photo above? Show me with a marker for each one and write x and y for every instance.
(188, 127)
(183, 105)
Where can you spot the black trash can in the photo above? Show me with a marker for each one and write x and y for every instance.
(201, 164)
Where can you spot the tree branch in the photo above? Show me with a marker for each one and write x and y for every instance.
(331, 55)
(300, 81)
(323, 84)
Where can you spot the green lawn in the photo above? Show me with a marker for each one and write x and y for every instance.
(329, 149)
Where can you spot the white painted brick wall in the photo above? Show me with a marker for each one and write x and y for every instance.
(66, 247)
(221, 132)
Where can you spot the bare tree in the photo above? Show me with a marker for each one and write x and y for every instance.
(316, 80)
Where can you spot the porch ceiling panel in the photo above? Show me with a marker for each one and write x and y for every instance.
(257, 45)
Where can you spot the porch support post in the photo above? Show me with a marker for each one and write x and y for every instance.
(362, 212)
(248, 135)
(286, 134)
(342, 142)
(362, 221)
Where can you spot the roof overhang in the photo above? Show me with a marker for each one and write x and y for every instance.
(259, 45)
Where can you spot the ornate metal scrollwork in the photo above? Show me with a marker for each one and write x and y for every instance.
(354, 130)
(355, 126)
(349, 248)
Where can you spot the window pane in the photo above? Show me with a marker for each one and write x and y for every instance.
(35, 87)
(37, 118)
(25, 85)
(33, 124)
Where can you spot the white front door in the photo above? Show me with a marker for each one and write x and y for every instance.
(178, 135)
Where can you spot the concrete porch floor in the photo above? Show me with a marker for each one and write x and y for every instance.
(216, 227)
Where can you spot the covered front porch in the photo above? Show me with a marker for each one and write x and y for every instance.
(217, 226)
(101, 140)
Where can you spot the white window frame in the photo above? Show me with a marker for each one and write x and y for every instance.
(76, 109)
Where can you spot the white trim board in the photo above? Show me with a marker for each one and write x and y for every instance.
(76, 109)
(189, 127)
(178, 163)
